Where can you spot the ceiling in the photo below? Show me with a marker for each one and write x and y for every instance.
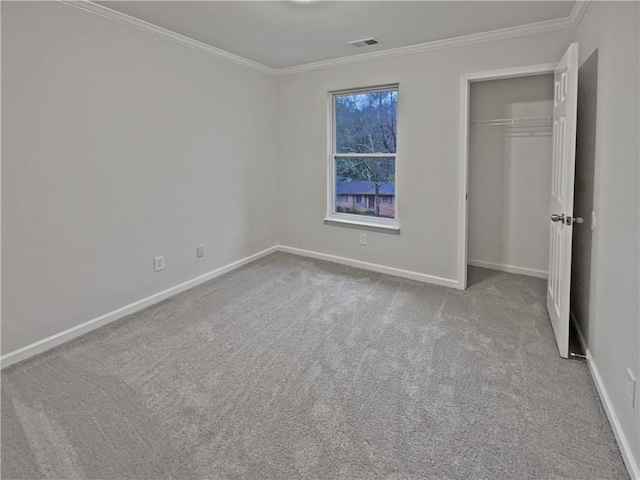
(281, 34)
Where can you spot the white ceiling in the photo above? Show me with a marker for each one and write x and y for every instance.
(282, 34)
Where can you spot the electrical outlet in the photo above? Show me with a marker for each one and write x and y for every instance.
(363, 238)
(158, 263)
(200, 251)
(631, 388)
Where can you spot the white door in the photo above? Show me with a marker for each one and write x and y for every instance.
(565, 107)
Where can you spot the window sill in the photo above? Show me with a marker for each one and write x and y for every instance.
(391, 227)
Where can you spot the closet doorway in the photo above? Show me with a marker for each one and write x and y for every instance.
(509, 174)
(516, 177)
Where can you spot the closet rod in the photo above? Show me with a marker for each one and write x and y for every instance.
(515, 121)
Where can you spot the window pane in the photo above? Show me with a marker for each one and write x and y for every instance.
(366, 122)
(366, 186)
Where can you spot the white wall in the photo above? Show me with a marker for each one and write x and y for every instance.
(118, 147)
(510, 174)
(613, 325)
(428, 150)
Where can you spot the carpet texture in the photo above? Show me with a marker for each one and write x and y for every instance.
(292, 368)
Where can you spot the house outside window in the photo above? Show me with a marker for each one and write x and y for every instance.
(362, 156)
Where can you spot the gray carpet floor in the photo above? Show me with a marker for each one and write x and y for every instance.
(292, 368)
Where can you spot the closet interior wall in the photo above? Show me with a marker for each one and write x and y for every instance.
(510, 147)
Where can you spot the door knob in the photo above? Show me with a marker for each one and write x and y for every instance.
(557, 218)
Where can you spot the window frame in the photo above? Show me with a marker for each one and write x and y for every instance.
(333, 216)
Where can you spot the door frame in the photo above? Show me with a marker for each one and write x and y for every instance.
(463, 167)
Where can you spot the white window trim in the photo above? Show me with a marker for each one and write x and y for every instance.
(334, 217)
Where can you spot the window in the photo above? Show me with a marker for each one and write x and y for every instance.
(362, 157)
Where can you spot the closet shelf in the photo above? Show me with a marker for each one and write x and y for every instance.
(536, 121)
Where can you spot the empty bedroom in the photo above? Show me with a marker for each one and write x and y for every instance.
(320, 239)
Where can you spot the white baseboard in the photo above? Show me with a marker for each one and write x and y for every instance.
(532, 272)
(420, 277)
(62, 337)
(627, 454)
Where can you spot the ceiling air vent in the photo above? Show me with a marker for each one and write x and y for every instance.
(364, 42)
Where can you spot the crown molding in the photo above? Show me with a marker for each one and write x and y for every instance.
(140, 25)
(548, 26)
(578, 11)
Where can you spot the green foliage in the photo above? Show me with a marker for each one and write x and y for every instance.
(366, 122)
(377, 170)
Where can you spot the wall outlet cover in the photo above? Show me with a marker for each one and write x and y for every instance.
(158, 263)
